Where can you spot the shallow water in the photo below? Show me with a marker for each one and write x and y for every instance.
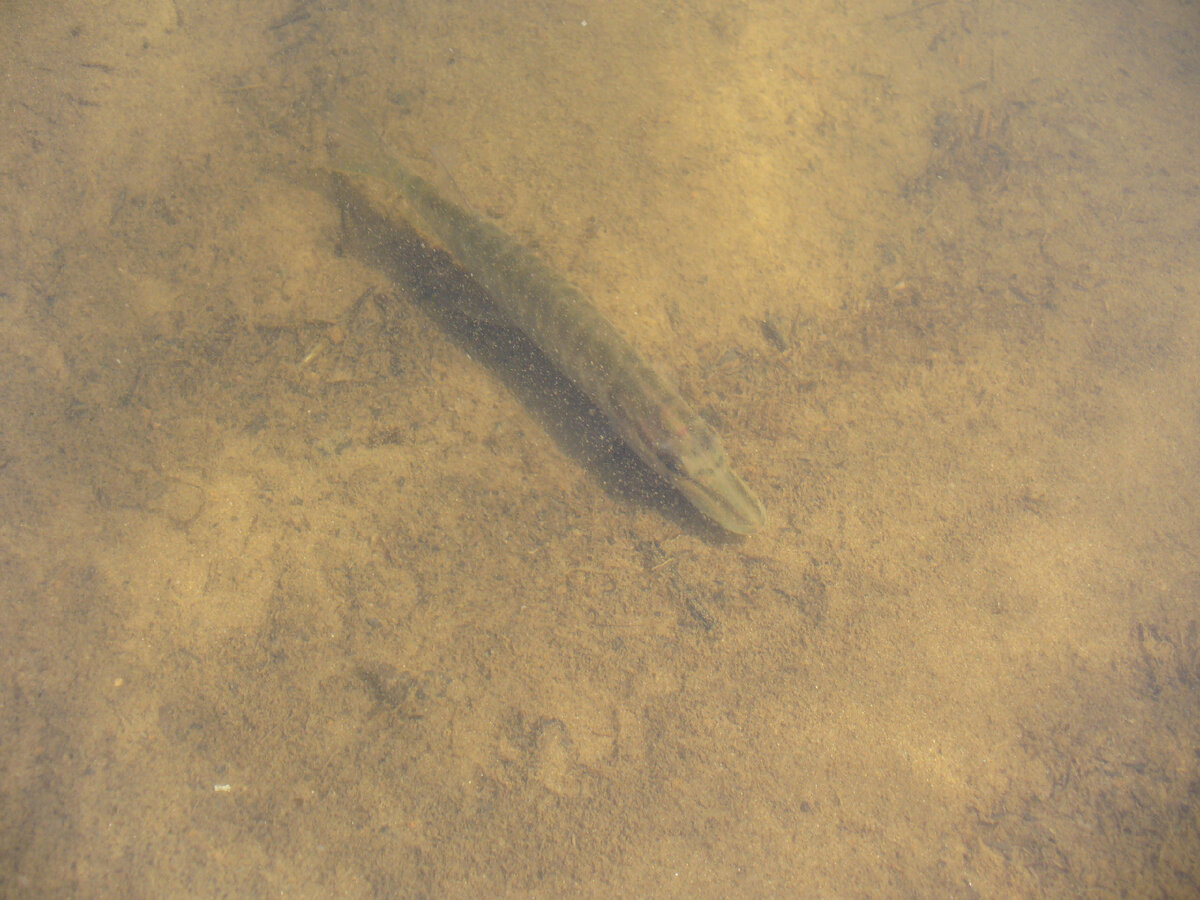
(313, 584)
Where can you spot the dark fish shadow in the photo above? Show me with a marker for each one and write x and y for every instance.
(465, 312)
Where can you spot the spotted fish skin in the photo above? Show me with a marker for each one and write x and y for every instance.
(649, 414)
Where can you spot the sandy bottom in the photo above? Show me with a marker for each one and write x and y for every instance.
(316, 582)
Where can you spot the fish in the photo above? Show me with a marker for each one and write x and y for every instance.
(641, 404)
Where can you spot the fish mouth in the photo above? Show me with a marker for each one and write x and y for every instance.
(726, 500)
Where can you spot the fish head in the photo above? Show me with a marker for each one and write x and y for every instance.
(684, 451)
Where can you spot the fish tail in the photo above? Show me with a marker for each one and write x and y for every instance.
(355, 148)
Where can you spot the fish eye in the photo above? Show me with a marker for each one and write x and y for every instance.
(670, 462)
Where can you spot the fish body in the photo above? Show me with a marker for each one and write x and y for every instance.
(649, 414)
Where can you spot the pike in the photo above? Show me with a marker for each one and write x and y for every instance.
(648, 413)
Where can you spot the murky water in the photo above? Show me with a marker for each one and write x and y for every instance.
(314, 582)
